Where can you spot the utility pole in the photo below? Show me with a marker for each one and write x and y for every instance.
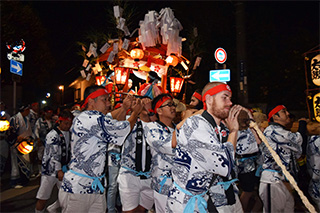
(241, 53)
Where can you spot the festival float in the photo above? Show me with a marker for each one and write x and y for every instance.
(155, 46)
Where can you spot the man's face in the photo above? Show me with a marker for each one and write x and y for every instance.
(194, 101)
(25, 112)
(65, 125)
(167, 109)
(283, 117)
(221, 104)
(102, 104)
(48, 114)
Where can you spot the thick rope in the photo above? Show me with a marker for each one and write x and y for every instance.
(284, 170)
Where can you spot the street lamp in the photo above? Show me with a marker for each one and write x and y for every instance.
(61, 87)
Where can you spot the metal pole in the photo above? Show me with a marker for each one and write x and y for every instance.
(14, 97)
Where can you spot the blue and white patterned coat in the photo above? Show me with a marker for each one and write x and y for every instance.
(51, 161)
(159, 139)
(91, 132)
(199, 156)
(313, 162)
(246, 144)
(287, 145)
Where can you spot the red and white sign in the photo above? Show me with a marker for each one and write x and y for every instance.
(220, 55)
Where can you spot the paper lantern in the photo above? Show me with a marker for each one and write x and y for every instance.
(137, 54)
(121, 76)
(315, 70)
(4, 125)
(316, 106)
(172, 60)
(176, 84)
(25, 147)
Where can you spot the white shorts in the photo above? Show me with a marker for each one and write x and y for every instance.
(46, 186)
(276, 196)
(95, 203)
(135, 191)
(160, 202)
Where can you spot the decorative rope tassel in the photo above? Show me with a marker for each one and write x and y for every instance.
(284, 170)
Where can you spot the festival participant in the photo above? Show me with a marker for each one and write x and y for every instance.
(158, 135)
(275, 190)
(83, 185)
(55, 160)
(42, 127)
(20, 129)
(313, 163)
(134, 176)
(4, 145)
(247, 155)
(196, 100)
(205, 155)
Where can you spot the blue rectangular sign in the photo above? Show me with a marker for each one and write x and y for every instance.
(16, 67)
(219, 75)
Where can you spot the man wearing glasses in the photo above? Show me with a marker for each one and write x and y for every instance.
(158, 135)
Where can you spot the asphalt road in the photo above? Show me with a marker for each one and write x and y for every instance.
(21, 200)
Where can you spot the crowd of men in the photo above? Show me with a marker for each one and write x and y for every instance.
(139, 157)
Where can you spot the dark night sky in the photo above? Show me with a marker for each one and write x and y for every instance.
(68, 22)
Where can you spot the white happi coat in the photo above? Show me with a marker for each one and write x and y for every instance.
(51, 161)
(313, 163)
(287, 145)
(91, 132)
(159, 139)
(246, 144)
(199, 156)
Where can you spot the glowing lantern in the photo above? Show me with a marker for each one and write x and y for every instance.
(316, 106)
(100, 80)
(176, 85)
(121, 76)
(4, 125)
(172, 60)
(137, 54)
(25, 147)
(315, 70)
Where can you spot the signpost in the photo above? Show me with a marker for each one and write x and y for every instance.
(15, 67)
(220, 55)
(219, 75)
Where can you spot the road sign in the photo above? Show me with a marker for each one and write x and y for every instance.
(220, 55)
(16, 57)
(16, 67)
(219, 75)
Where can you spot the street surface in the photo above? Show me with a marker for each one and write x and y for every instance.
(20, 200)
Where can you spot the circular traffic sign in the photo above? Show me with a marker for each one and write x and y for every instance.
(220, 55)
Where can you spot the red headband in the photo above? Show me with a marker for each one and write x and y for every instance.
(213, 91)
(160, 102)
(275, 110)
(197, 96)
(93, 95)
